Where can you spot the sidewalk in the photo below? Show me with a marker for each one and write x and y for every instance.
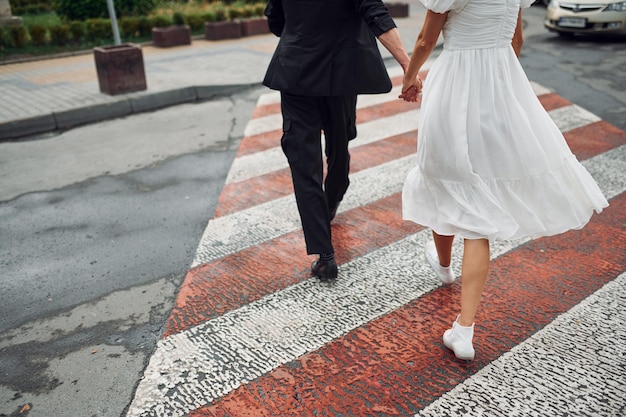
(60, 93)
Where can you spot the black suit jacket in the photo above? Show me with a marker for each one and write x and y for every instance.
(328, 47)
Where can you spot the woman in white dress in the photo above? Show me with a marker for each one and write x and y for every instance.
(492, 165)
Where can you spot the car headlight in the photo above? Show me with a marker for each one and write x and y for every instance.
(616, 7)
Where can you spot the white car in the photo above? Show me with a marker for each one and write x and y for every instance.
(567, 17)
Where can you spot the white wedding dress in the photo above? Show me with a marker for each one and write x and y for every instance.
(491, 162)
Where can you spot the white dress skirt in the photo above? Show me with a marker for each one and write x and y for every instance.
(491, 163)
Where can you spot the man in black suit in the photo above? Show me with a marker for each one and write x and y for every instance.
(327, 54)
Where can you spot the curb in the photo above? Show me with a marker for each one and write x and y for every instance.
(59, 121)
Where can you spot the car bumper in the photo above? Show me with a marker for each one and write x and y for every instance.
(560, 20)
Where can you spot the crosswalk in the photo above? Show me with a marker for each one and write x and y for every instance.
(252, 334)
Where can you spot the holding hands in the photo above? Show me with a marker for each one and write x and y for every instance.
(424, 45)
(411, 89)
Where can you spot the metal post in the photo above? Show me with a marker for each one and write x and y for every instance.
(116, 31)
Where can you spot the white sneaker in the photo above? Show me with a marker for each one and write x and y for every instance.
(459, 340)
(445, 273)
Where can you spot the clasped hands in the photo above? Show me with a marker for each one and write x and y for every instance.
(411, 89)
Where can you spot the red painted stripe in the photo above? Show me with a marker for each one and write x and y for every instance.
(265, 110)
(254, 191)
(552, 101)
(264, 141)
(594, 139)
(244, 194)
(231, 282)
(585, 142)
(268, 140)
(260, 142)
(391, 108)
(396, 365)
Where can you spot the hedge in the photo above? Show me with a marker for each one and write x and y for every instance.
(21, 7)
(97, 31)
(60, 35)
(38, 34)
(93, 9)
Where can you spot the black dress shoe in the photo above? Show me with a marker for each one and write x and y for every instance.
(325, 270)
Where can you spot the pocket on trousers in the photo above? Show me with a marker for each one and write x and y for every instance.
(288, 143)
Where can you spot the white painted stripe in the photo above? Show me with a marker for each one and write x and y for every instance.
(537, 88)
(263, 162)
(194, 367)
(572, 117)
(273, 159)
(273, 122)
(246, 228)
(263, 125)
(608, 171)
(575, 366)
(269, 98)
(237, 231)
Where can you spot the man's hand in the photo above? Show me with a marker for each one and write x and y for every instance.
(411, 90)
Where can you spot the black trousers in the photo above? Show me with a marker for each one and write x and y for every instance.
(304, 118)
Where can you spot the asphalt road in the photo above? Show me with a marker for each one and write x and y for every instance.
(588, 71)
(105, 220)
(93, 252)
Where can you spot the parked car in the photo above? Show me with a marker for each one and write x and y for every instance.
(567, 17)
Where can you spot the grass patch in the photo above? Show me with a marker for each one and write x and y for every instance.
(45, 19)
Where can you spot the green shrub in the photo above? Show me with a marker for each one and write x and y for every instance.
(2, 39)
(196, 21)
(44, 19)
(145, 26)
(134, 7)
(98, 29)
(59, 35)
(221, 13)
(38, 34)
(236, 12)
(22, 7)
(178, 19)
(18, 36)
(249, 10)
(209, 16)
(129, 26)
(259, 9)
(91, 9)
(77, 30)
(80, 9)
(161, 21)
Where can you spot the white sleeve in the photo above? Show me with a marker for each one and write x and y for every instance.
(524, 4)
(442, 6)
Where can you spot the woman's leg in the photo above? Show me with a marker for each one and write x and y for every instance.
(444, 248)
(474, 276)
